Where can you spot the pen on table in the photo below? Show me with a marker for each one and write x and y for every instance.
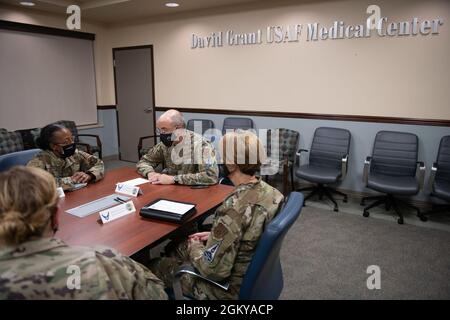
(119, 200)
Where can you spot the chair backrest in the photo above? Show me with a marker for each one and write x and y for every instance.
(264, 277)
(232, 123)
(29, 137)
(395, 154)
(443, 159)
(10, 141)
(202, 124)
(69, 124)
(328, 147)
(287, 143)
(17, 158)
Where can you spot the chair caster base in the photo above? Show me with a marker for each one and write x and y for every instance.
(345, 200)
(336, 209)
(422, 218)
(366, 214)
(400, 220)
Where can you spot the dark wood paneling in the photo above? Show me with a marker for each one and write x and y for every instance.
(24, 27)
(106, 107)
(318, 116)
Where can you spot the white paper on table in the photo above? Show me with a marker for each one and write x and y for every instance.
(172, 206)
(136, 182)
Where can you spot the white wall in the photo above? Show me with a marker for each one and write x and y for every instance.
(390, 76)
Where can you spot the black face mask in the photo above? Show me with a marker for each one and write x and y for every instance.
(166, 139)
(226, 172)
(225, 179)
(68, 150)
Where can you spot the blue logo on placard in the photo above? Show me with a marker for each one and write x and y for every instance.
(105, 216)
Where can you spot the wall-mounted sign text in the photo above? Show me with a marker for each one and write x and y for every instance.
(374, 26)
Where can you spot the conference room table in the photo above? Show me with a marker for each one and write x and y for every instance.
(130, 233)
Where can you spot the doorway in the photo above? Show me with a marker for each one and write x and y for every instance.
(135, 98)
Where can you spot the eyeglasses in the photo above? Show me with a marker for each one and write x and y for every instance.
(66, 142)
(159, 131)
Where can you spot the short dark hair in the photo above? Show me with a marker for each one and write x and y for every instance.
(46, 136)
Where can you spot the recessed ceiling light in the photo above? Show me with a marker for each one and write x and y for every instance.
(172, 4)
(27, 3)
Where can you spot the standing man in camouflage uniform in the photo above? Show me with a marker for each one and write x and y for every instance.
(34, 265)
(225, 253)
(60, 157)
(187, 157)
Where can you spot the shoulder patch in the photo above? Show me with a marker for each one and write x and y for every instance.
(233, 214)
(220, 231)
(210, 253)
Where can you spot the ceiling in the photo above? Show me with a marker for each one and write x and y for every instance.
(118, 11)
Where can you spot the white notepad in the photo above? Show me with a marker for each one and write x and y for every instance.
(136, 182)
(171, 206)
(97, 205)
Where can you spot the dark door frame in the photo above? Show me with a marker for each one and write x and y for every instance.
(150, 46)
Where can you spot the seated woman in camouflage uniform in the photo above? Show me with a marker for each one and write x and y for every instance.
(34, 265)
(60, 157)
(225, 253)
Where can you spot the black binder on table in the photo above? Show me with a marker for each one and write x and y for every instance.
(168, 210)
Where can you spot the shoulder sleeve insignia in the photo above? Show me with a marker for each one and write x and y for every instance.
(210, 253)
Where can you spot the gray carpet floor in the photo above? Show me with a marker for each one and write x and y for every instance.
(326, 254)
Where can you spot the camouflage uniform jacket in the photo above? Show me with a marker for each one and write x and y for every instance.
(63, 169)
(238, 225)
(43, 269)
(193, 160)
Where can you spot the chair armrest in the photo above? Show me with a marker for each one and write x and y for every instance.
(421, 174)
(87, 145)
(344, 164)
(188, 269)
(299, 152)
(432, 176)
(97, 138)
(141, 139)
(367, 163)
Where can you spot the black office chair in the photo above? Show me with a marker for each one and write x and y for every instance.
(392, 170)
(440, 179)
(232, 123)
(201, 125)
(263, 279)
(327, 162)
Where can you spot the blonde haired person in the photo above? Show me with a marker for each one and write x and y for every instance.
(225, 253)
(34, 265)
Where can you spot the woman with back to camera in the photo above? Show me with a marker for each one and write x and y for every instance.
(35, 265)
